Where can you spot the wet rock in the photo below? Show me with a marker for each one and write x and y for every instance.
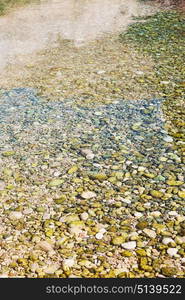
(45, 246)
(88, 195)
(55, 182)
(118, 240)
(167, 241)
(169, 271)
(156, 194)
(150, 233)
(174, 182)
(172, 251)
(2, 185)
(15, 215)
(73, 170)
(129, 245)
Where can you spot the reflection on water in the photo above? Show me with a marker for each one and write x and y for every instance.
(36, 26)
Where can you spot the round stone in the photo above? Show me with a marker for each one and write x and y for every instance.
(172, 251)
(88, 195)
(167, 240)
(129, 245)
(15, 215)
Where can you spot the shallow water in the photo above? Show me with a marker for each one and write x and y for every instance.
(135, 129)
(35, 27)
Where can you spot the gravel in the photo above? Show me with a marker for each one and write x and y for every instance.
(83, 189)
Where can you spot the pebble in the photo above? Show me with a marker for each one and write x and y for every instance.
(129, 245)
(118, 240)
(45, 246)
(55, 182)
(173, 213)
(88, 153)
(28, 211)
(150, 233)
(52, 268)
(99, 235)
(141, 169)
(181, 194)
(172, 251)
(167, 240)
(138, 214)
(88, 195)
(84, 216)
(168, 139)
(155, 213)
(68, 262)
(2, 185)
(15, 215)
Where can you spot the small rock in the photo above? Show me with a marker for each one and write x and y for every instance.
(118, 240)
(8, 153)
(15, 215)
(88, 195)
(45, 246)
(129, 245)
(68, 262)
(55, 182)
(181, 194)
(52, 269)
(172, 251)
(168, 139)
(100, 72)
(141, 169)
(141, 252)
(169, 271)
(142, 225)
(167, 240)
(87, 153)
(174, 182)
(73, 170)
(156, 194)
(155, 213)
(84, 216)
(150, 233)
(138, 214)
(28, 211)
(173, 213)
(99, 235)
(2, 185)
(57, 173)
(99, 176)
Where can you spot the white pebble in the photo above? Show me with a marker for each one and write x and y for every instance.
(52, 268)
(14, 215)
(150, 233)
(173, 213)
(138, 214)
(168, 139)
(155, 213)
(167, 240)
(99, 235)
(88, 195)
(84, 216)
(28, 211)
(172, 251)
(127, 201)
(45, 246)
(141, 169)
(68, 262)
(129, 245)
(56, 173)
